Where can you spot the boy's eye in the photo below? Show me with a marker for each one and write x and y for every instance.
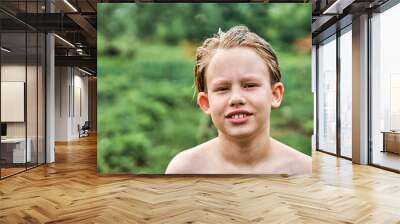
(222, 88)
(249, 85)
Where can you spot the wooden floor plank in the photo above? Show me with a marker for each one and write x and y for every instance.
(70, 191)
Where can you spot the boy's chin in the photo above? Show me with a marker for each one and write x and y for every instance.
(244, 134)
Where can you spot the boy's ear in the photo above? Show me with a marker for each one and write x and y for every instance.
(202, 101)
(277, 94)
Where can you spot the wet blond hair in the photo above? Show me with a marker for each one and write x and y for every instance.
(237, 36)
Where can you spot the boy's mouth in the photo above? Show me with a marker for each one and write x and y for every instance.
(238, 116)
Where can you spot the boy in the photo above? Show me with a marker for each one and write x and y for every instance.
(238, 78)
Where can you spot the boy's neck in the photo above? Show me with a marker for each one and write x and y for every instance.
(244, 151)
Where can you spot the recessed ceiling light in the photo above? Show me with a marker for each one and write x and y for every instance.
(337, 7)
(86, 72)
(70, 5)
(5, 49)
(64, 40)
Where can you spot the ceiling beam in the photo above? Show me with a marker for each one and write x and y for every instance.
(86, 26)
(82, 61)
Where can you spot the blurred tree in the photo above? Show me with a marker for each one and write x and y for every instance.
(109, 28)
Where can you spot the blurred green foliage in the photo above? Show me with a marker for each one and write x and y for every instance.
(146, 107)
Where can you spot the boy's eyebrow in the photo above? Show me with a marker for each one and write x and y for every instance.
(220, 82)
(249, 77)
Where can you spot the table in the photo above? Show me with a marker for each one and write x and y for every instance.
(391, 141)
(17, 150)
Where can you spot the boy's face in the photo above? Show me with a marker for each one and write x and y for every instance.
(239, 96)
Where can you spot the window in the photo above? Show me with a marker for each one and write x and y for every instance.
(346, 75)
(385, 88)
(327, 95)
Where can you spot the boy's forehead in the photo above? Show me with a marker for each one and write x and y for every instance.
(236, 61)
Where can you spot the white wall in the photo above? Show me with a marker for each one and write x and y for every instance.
(12, 73)
(71, 87)
(61, 103)
(12, 101)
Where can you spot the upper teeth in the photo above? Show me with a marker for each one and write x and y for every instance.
(238, 116)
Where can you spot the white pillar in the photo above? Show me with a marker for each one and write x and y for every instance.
(50, 99)
(50, 93)
(360, 90)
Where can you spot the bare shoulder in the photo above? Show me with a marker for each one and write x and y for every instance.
(298, 162)
(189, 161)
(182, 163)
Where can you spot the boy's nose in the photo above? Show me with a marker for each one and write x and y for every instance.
(236, 99)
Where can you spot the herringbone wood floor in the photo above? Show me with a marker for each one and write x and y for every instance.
(70, 191)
